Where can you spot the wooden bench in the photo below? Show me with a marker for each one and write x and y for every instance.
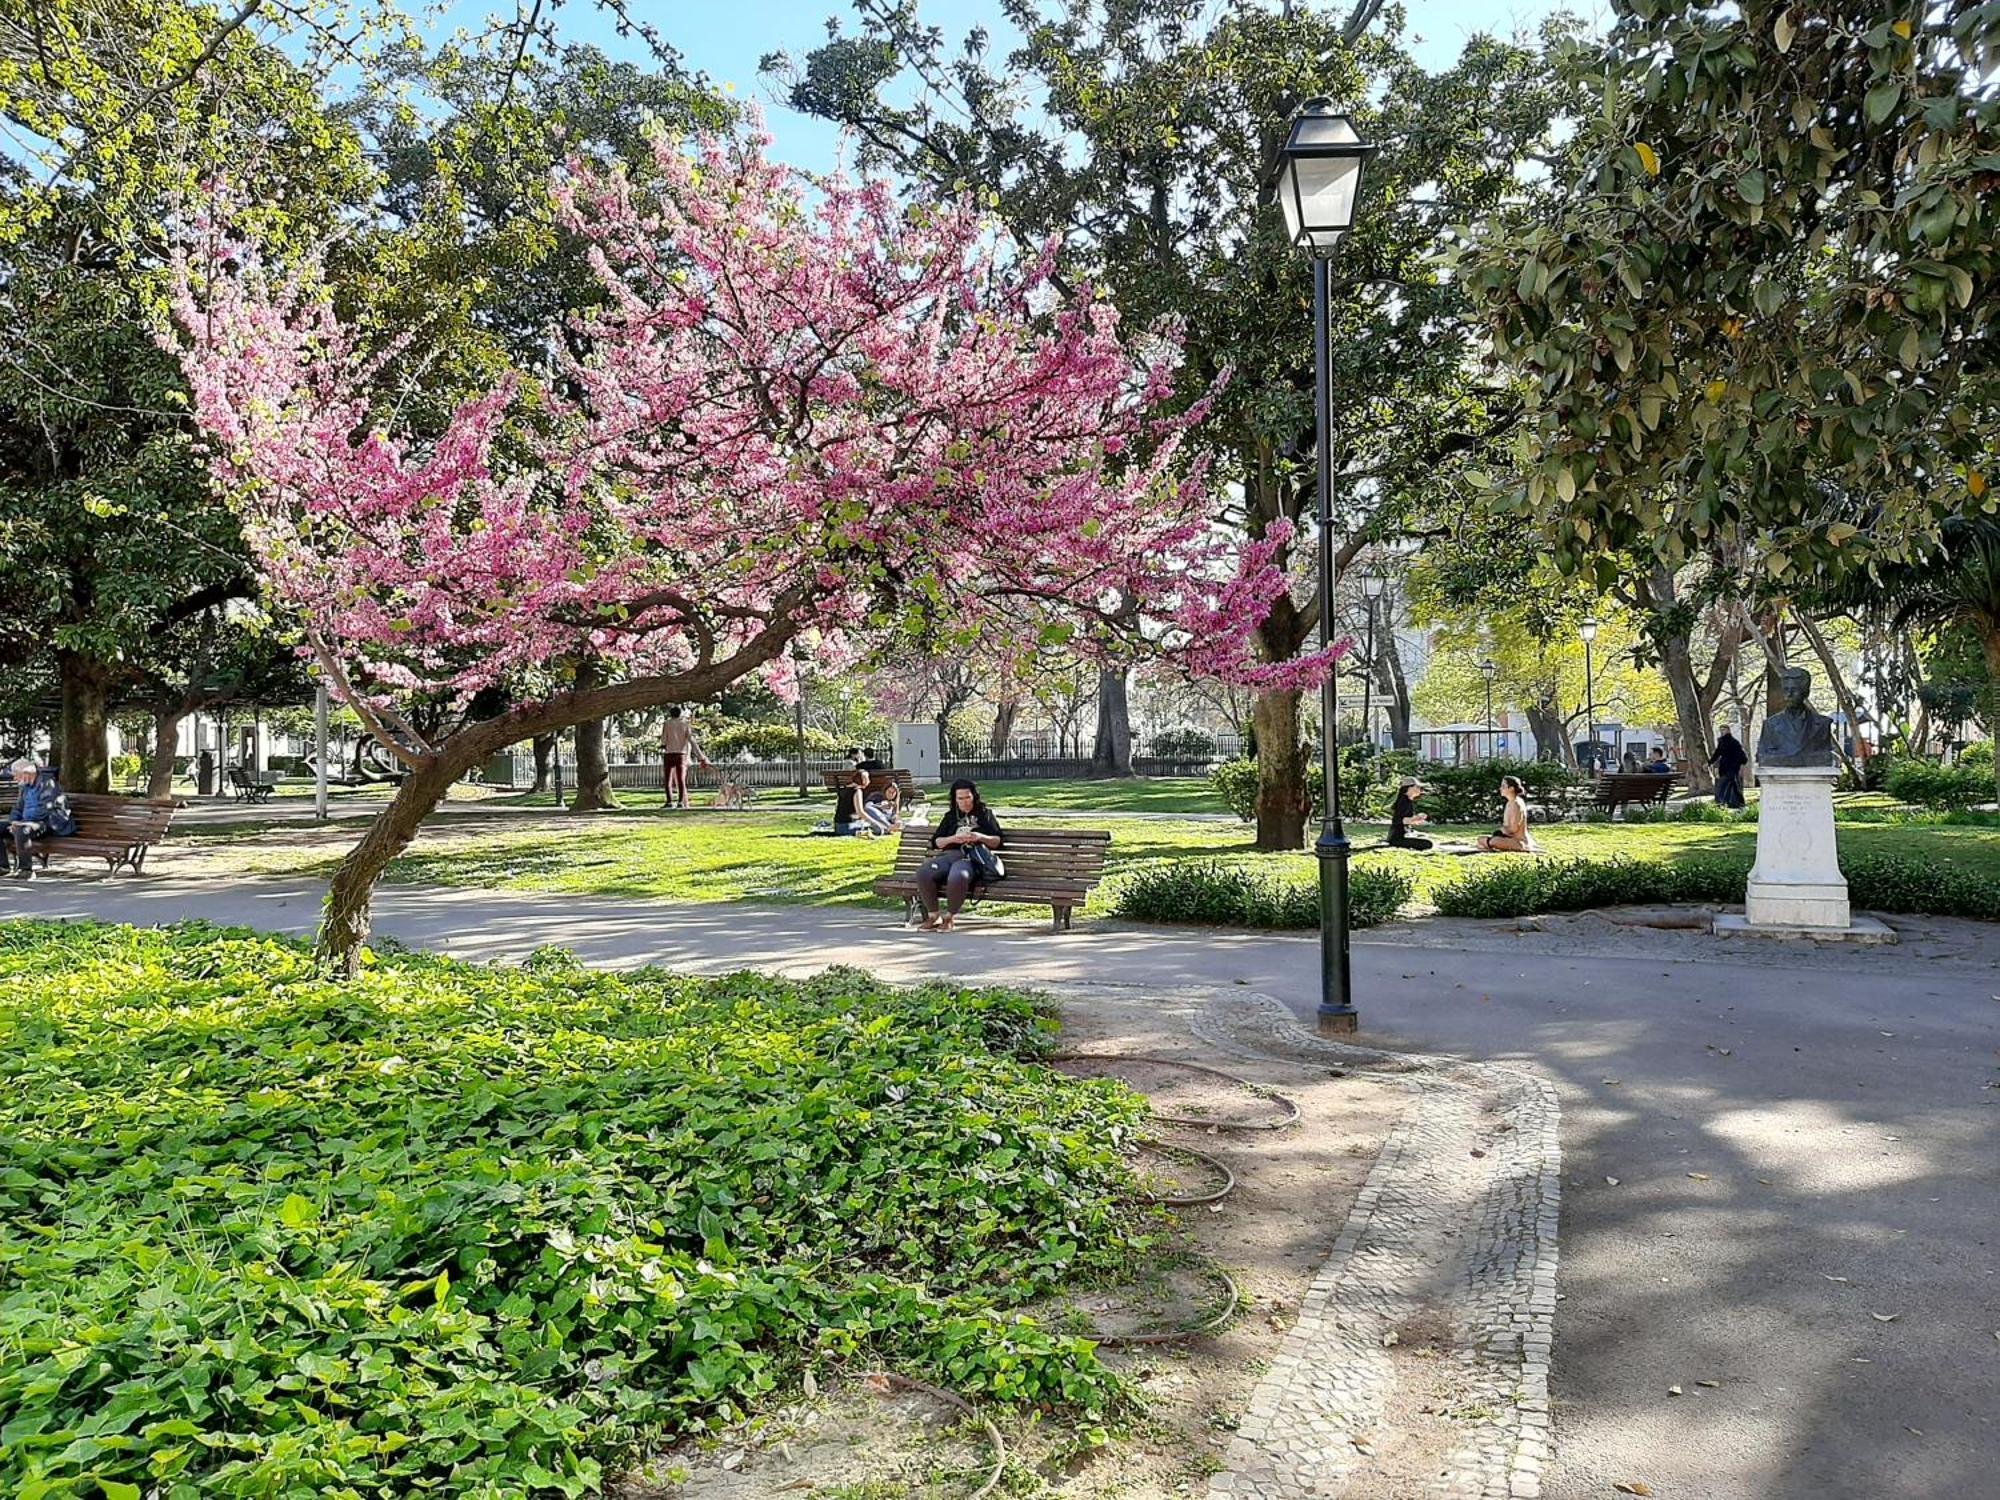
(1616, 789)
(1045, 866)
(246, 788)
(833, 781)
(117, 830)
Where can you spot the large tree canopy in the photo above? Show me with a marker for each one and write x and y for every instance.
(1761, 306)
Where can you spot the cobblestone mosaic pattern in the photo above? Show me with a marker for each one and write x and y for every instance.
(1463, 1196)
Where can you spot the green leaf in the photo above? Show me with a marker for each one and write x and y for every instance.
(1880, 101)
(117, 1489)
(1751, 186)
(1783, 32)
(297, 1211)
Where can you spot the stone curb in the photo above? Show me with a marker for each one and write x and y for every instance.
(1467, 1185)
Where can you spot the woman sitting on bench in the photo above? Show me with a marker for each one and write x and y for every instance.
(882, 802)
(965, 840)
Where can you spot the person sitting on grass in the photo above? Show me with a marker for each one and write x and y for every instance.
(848, 819)
(1511, 837)
(882, 803)
(1404, 816)
(964, 840)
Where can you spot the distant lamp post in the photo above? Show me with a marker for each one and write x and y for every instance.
(1588, 630)
(1319, 184)
(1372, 585)
(1486, 670)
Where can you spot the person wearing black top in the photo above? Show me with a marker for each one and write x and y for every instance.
(847, 819)
(968, 823)
(1404, 815)
(1729, 760)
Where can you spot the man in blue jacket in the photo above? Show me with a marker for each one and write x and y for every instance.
(30, 818)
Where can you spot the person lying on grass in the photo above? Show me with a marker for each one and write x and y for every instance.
(1511, 837)
(966, 839)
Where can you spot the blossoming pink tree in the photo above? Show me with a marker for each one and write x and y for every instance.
(802, 413)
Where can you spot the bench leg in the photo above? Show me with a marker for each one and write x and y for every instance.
(1059, 919)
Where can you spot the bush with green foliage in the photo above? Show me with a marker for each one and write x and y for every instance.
(479, 1230)
(1926, 783)
(1230, 895)
(1182, 744)
(1978, 756)
(1520, 887)
(1453, 794)
(728, 739)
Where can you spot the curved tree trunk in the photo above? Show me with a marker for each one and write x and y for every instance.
(593, 771)
(1395, 685)
(1283, 801)
(166, 740)
(1545, 722)
(350, 898)
(1988, 627)
(1112, 753)
(544, 746)
(1697, 735)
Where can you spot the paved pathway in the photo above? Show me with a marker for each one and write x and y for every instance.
(1807, 1201)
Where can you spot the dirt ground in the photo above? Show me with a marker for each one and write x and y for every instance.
(1294, 1187)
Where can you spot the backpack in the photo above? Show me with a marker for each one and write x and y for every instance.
(61, 817)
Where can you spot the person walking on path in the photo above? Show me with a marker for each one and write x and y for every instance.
(965, 839)
(1729, 760)
(676, 745)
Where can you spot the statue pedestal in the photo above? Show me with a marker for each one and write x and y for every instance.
(1796, 882)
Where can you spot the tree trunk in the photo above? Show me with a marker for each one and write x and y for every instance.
(1112, 754)
(1545, 722)
(593, 771)
(1697, 735)
(350, 898)
(1283, 802)
(545, 748)
(83, 746)
(166, 740)
(1988, 627)
(1005, 712)
(1396, 684)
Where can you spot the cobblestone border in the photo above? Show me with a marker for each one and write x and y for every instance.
(1468, 1185)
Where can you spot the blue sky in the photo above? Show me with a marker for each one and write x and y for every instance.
(726, 41)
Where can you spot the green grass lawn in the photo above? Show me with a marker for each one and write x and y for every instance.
(773, 857)
(1166, 794)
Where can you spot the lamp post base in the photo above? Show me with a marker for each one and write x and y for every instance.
(1337, 1022)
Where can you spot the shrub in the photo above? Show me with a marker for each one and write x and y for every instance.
(1518, 887)
(465, 1229)
(1369, 777)
(1977, 756)
(127, 767)
(1183, 744)
(728, 739)
(1930, 887)
(1926, 783)
(1470, 793)
(1228, 895)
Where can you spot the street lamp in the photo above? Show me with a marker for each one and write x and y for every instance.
(1486, 670)
(1588, 630)
(1372, 585)
(1319, 182)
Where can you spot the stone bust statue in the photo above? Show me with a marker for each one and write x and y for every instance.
(1796, 735)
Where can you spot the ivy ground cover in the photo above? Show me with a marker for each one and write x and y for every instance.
(479, 1231)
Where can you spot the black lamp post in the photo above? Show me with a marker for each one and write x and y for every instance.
(1486, 670)
(1588, 630)
(1319, 182)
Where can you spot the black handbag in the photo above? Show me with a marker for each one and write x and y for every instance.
(986, 865)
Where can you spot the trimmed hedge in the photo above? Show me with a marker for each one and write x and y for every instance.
(1227, 895)
(1926, 783)
(1520, 887)
(1455, 794)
